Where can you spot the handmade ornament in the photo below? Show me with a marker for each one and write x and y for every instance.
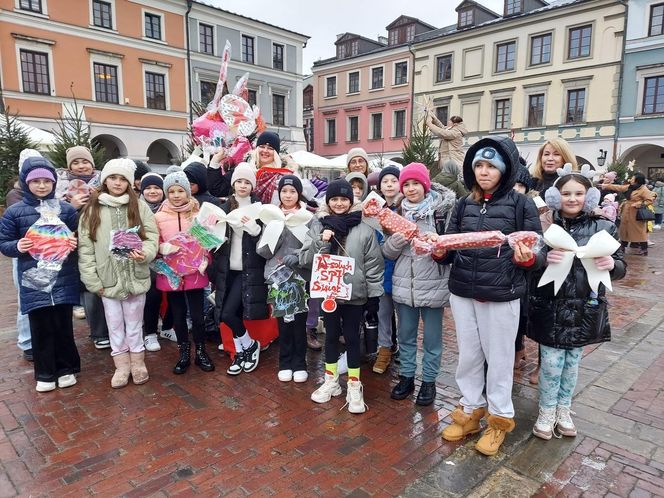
(390, 222)
(327, 279)
(234, 218)
(160, 266)
(238, 114)
(190, 256)
(77, 187)
(287, 293)
(124, 241)
(275, 221)
(429, 242)
(206, 227)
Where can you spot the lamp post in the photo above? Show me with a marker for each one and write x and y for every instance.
(601, 159)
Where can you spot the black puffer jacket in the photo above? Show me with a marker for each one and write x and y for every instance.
(197, 173)
(572, 319)
(254, 289)
(488, 274)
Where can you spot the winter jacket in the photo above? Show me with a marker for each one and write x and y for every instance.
(359, 176)
(118, 277)
(631, 229)
(659, 201)
(451, 141)
(170, 223)
(64, 176)
(419, 281)
(361, 245)
(254, 289)
(16, 221)
(489, 274)
(14, 195)
(573, 318)
(452, 182)
(197, 173)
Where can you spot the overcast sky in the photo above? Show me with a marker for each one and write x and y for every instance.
(324, 20)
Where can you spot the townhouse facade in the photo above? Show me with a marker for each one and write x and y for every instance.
(533, 72)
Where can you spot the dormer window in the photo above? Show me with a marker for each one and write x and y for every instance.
(513, 7)
(410, 33)
(401, 34)
(466, 18)
(341, 51)
(354, 47)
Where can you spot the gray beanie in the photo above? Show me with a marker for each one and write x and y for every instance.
(177, 178)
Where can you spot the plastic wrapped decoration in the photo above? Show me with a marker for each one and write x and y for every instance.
(190, 257)
(287, 293)
(77, 187)
(206, 228)
(160, 266)
(238, 114)
(51, 247)
(389, 221)
(429, 242)
(124, 241)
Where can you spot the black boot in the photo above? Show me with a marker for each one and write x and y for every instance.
(202, 359)
(404, 388)
(371, 334)
(427, 394)
(185, 358)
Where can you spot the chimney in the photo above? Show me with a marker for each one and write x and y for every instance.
(382, 39)
(340, 35)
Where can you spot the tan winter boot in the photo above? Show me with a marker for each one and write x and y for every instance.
(463, 424)
(383, 360)
(122, 368)
(139, 372)
(494, 435)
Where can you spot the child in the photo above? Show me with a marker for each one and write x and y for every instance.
(237, 272)
(197, 174)
(609, 209)
(388, 183)
(485, 286)
(121, 282)
(152, 185)
(565, 322)
(340, 231)
(175, 216)
(49, 313)
(419, 284)
(292, 335)
(359, 184)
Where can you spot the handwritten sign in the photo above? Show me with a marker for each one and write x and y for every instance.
(327, 279)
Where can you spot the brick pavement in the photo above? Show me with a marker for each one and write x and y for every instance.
(211, 434)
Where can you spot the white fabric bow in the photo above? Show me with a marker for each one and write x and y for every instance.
(600, 244)
(275, 221)
(234, 218)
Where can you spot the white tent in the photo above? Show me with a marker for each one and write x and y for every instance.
(308, 160)
(339, 161)
(41, 137)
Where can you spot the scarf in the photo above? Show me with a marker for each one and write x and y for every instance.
(85, 178)
(421, 210)
(267, 181)
(189, 206)
(292, 210)
(112, 200)
(340, 224)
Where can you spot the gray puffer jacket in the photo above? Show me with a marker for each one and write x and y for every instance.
(360, 244)
(419, 281)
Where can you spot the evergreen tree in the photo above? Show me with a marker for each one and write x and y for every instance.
(72, 131)
(13, 139)
(421, 149)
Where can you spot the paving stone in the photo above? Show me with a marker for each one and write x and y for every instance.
(599, 397)
(601, 417)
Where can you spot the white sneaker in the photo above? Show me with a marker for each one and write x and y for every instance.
(543, 428)
(355, 397)
(328, 389)
(564, 422)
(285, 375)
(169, 334)
(300, 376)
(79, 312)
(66, 381)
(657, 227)
(342, 364)
(44, 387)
(152, 343)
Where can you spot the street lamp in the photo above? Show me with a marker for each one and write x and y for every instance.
(601, 159)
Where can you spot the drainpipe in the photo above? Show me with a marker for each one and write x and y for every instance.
(620, 81)
(186, 22)
(412, 91)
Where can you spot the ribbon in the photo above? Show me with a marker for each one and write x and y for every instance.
(215, 219)
(275, 221)
(600, 244)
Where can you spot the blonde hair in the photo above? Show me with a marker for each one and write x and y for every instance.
(253, 159)
(562, 147)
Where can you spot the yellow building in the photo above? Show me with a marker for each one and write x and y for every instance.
(535, 71)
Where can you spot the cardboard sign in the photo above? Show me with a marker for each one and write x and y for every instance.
(327, 279)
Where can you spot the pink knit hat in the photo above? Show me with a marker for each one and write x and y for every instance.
(417, 172)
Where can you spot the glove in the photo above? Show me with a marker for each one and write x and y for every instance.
(372, 306)
(290, 260)
(398, 240)
(168, 248)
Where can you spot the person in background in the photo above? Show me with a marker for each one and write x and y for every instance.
(658, 205)
(357, 161)
(269, 168)
(449, 177)
(451, 138)
(554, 154)
(142, 169)
(197, 174)
(359, 184)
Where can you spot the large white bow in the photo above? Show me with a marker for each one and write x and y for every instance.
(600, 244)
(275, 221)
(234, 218)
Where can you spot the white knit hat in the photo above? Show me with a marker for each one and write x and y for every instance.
(25, 153)
(245, 171)
(121, 166)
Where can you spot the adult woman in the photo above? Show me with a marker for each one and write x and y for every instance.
(265, 158)
(637, 195)
(551, 156)
(451, 138)
(357, 161)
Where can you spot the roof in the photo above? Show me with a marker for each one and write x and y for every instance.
(409, 19)
(330, 60)
(351, 36)
(467, 3)
(207, 4)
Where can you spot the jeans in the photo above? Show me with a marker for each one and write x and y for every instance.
(24, 340)
(558, 376)
(409, 320)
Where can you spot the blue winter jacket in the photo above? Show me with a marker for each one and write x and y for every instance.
(13, 226)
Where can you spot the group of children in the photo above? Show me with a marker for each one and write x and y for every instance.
(484, 287)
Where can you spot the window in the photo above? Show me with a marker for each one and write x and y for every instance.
(466, 18)
(31, 5)
(579, 42)
(502, 121)
(278, 57)
(153, 26)
(513, 7)
(354, 47)
(252, 97)
(442, 113)
(653, 95)
(106, 83)
(505, 54)
(155, 90)
(536, 110)
(376, 78)
(330, 131)
(376, 126)
(247, 49)
(207, 91)
(278, 109)
(102, 14)
(341, 51)
(331, 86)
(353, 128)
(540, 49)
(656, 20)
(410, 32)
(443, 68)
(206, 38)
(354, 82)
(400, 123)
(576, 100)
(394, 37)
(401, 73)
(34, 72)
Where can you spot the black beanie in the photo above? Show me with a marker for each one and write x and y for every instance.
(141, 170)
(339, 188)
(151, 179)
(291, 180)
(388, 170)
(270, 138)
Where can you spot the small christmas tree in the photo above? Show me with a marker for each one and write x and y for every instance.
(73, 131)
(421, 149)
(13, 139)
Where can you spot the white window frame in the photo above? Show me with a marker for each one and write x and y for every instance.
(641, 75)
(162, 25)
(381, 66)
(43, 13)
(154, 68)
(348, 137)
(283, 45)
(371, 126)
(111, 61)
(35, 46)
(114, 17)
(214, 38)
(327, 130)
(359, 82)
(336, 86)
(394, 123)
(394, 72)
(254, 38)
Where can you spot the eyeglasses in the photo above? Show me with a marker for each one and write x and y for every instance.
(41, 182)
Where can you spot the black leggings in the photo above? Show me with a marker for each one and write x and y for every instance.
(231, 313)
(346, 319)
(151, 311)
(53, 345)
(177, 303)
(293, 343)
